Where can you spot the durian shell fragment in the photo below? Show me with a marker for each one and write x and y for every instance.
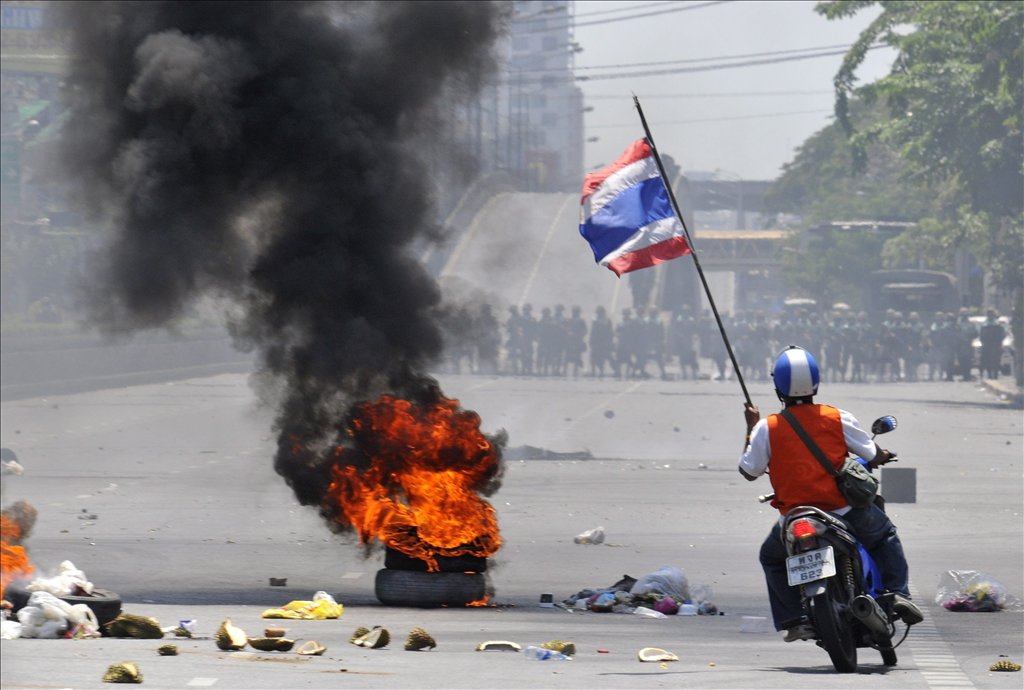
(499, 646)
(131, 625)
(419, 639)
(311, 648)
(655, 654)
(167, 650)
(230, 637)
(1005, 665)
(374, 639)
(359, 632)
(567, 648)
(271, 644)
(125, 672)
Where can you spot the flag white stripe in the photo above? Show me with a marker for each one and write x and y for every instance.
(647, 236)
(613, 185)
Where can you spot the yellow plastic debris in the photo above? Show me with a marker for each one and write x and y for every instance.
(319, 609)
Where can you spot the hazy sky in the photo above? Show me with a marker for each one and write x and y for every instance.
(745, 121)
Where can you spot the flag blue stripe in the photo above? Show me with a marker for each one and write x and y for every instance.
(631, 210)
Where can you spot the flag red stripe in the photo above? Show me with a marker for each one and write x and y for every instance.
(649, 256)
(636, 151)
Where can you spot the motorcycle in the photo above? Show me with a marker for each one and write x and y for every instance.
(840, 585)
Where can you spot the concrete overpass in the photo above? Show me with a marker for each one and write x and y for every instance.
(520, 248)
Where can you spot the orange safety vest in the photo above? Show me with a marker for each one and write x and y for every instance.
(797, 477)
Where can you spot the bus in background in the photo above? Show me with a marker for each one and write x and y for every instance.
(905, 290)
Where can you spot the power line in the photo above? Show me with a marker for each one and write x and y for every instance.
(630, 8)
(736, 94)
(789, 51)
(710, 68)
(547, 24)
(716, 119)
(641, 15)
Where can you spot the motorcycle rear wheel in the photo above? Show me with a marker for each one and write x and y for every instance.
(836, 635)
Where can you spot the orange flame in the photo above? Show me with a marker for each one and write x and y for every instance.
(14, 563)
(416, 486)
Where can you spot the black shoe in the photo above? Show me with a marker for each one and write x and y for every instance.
(906, 610)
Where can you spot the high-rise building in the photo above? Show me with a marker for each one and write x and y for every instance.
(543, 107)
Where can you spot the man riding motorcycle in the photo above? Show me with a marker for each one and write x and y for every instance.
(773, 446)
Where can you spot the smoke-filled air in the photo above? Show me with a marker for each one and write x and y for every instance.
(274, 154)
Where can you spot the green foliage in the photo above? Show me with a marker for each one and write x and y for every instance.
(830, 263)
(955, 96)
(821, 185)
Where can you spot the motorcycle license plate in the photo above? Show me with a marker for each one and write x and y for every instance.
(811, 566)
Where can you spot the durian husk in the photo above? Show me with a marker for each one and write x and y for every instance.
(567, 648)
(167, 650)
(271, 644)
(311, 648)
(359, 632)
(182, 631)
(375, 639)
(655, 654)
(130, 625)
(419, 639)
(274, 632)
(499, 646)
(1004, 665)
(125, 672)
(230, 637)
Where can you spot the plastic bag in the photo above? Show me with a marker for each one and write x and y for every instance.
(973, 590)
(46, 616)
(9, 630)
(668, 580)
(602, 602)
(322, 607)
(68, 580)
(591, 536)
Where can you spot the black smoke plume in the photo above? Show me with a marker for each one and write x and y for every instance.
(273, 153)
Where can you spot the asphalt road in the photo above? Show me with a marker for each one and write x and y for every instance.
(165, 494)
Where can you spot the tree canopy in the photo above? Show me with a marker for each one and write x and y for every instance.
(955, 98)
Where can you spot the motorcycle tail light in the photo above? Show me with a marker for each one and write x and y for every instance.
(804, 529)
(805, 535)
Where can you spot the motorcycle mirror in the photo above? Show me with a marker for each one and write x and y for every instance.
(883, 425)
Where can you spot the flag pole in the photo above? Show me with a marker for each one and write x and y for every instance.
(693, 250)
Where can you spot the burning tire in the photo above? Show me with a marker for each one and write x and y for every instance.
(106, 605)
(429, 590)
(397, 560)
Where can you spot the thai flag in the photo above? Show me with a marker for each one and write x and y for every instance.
(626, 215)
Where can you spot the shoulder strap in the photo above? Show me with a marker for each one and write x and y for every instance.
(811, 445)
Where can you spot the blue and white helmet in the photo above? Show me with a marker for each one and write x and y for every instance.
(795, 373)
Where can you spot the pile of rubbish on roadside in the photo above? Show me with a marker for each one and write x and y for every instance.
(665, 592)
(46, 613)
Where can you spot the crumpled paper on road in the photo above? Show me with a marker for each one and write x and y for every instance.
(322, 607)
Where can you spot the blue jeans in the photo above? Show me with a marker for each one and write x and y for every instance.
(875, 532)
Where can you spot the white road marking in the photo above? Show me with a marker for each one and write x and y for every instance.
(933, 657)
(201, 682)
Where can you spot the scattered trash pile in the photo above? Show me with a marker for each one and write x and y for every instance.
(974, 590)
(65, 605)
(665, 592)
